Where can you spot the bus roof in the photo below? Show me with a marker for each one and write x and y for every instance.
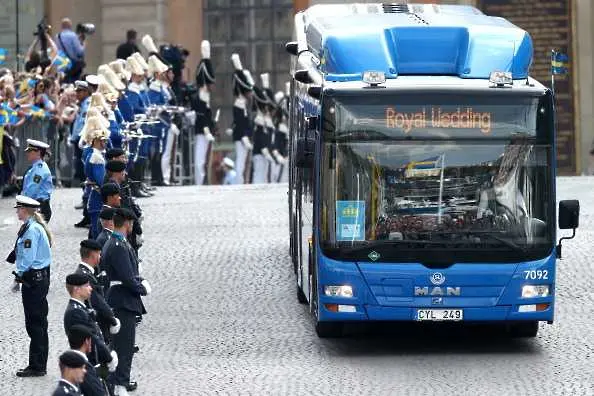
(413, 39)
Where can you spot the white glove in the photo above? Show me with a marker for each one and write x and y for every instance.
(174, 129)
(267, 155)
(246, 142)
(111, 366)
(208, 135)
(146, 286)
(116, 327)
(229, 132)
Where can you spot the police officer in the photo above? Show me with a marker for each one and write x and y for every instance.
(106, 219)
(32, 256)
(73, 368)
(80, 340)
(37, 182)
(242, 129)
(124, 294)
(90, 257)
(77, 312)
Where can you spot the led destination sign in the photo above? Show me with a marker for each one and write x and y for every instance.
(437, 117)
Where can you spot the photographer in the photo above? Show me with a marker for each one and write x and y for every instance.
(48, 50)
(73, 46)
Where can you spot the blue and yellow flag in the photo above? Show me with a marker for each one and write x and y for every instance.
(3, 53)
(559, 63)
(35, 111)
(8, 115)
(62, 62)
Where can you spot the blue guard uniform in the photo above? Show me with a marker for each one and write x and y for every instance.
(138, 102)
(37, 182)
(95, 171)
(158, 95)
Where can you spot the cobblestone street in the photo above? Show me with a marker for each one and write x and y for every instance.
(223, 317)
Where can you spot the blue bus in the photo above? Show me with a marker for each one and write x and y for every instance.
(422, 157)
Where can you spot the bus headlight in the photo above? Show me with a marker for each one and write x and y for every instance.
(339, 291)
(531, 291)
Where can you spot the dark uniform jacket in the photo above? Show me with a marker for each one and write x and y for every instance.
(103, 236)
(66, 389)
(92, 385)
(78, 313)
(105, 317)
(121, 264)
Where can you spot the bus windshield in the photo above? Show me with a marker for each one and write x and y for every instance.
(409, 181)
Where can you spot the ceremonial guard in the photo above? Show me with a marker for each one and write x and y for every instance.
(204, 126)
(95, 170)
(262, 133)
(106, 218)
(110, 194)
(32, 256)
(242, 130)
(138, 100)
(280, 172)
(158, 96)
(124, 295)
(37, 182)
(77, 313)
(90, 256)
(73, 368)
(80, 340)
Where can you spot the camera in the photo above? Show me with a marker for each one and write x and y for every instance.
(42, 29)
(85, 29)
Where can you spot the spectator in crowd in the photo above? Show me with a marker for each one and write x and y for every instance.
(129, 47)
(73, 46)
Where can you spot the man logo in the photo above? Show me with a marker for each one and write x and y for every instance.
(437, 278)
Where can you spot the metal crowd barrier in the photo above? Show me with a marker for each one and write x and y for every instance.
(61, 155)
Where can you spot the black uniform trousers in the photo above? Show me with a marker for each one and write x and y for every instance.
(34, 296)
(123, 343)
(45, 210)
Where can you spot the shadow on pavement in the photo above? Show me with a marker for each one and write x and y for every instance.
(397, 338)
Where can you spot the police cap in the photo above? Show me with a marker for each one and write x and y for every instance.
(90, 244)
(76, 279)
(109, 189)
(73, 359)
(26, 202)
(106, 213)
(115, 166)
(113, 153)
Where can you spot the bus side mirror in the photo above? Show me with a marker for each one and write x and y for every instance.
(569, 214)
(569, 219)
(304, 156)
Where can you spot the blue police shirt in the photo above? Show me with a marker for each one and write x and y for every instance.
(79, 122)
(33, 248)
(37, 182)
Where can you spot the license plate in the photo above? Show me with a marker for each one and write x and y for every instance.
(439, 314)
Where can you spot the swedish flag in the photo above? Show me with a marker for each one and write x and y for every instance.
(35, 111)
(559, 63)
(62, 62)
(8, 115)
(3, 53)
